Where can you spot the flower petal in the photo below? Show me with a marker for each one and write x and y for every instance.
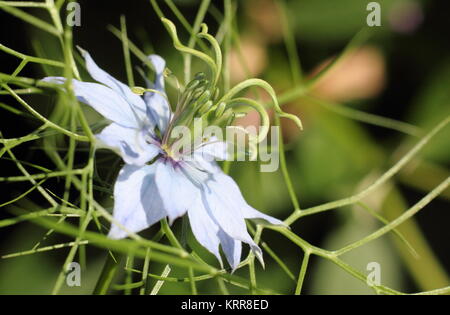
(104, 100)
(158, 108)
(176, 190)
(250, 213)
(198, 162)
(232, 249)
(159, 64)
(204, 228)
(224, 204)
(103, 77)
(129, 143)
(205, 156)
(213, 149)
(137, 204)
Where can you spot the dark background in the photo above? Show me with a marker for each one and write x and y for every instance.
(412, 61)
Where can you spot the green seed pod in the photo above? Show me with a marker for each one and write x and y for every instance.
(216, 93)
(226, 117)
(185, 118)
(192, 85)
(203, 98)
(228, 113)
(200, 76)
(197, 93)
(231, 119)
(204, 108)
(220, 109)
(204, 83)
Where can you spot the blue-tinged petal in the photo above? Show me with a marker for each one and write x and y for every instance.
(103, 77)
(204, 167)
(250, 213)
(137, 204)
(224, 203)
(232, 249)
(204, 228)
(195, 172)
(129, 143)
(205, 156)
(177, 191)
(213, 149)
(200, 163)
(104, 100)
(158, 108)
(159, 65)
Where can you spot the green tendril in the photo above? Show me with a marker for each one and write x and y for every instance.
(265, 122)
(179, 46)
(217, 51)
(268, 88)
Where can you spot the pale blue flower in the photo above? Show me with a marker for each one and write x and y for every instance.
(172, 185)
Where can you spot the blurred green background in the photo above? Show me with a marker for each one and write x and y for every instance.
(402, 72)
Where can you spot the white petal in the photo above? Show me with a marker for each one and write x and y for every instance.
(206, 155)
(232, 249)
(224, 203)
(198, 162)
(159, 64)
(137, 204)
(129, 143)
(157, 105)
(158, 110)
(176, 190)
(103, 77)
(204, 228)
(250, 213)
(104, 100)
(213, 149)
(202, 164)
(195, 172)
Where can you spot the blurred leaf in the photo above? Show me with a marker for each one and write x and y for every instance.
(330, 279)
(432, 105)
(332, 154)
(325, 21)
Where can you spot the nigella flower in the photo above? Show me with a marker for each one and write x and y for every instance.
(157, 182)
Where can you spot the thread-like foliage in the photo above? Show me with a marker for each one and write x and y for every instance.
(67, 137)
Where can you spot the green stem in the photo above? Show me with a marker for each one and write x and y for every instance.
(425, 267)
(284, 170)
(380, 181)
(143, 289)
(107, 275)
(302, 273)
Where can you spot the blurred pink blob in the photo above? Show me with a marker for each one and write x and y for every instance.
(359, 75)
(248, 61)
(405, 16)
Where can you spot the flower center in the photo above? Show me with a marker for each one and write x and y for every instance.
(167, 151)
